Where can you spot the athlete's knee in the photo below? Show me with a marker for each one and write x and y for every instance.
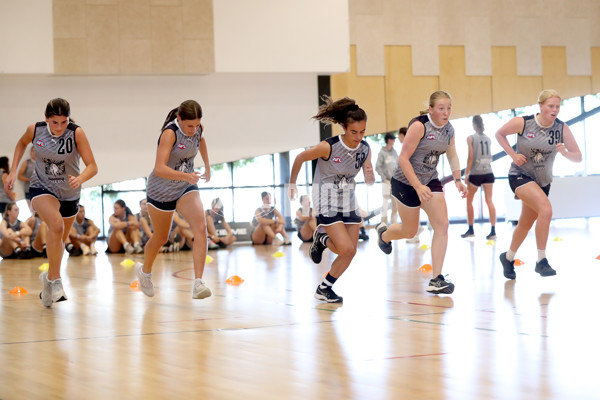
(545, 212)
(346, 250)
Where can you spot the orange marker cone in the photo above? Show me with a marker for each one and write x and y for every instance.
(598, 258)
(518, 262)
(18, 290)
(234, 280)
(425, 268)
(135, 285)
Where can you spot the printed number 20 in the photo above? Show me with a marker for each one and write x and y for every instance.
(65, 145)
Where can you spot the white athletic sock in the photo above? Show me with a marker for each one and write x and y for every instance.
(541, 255)
(510, 255)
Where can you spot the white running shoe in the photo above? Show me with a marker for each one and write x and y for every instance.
(276, 242)
(145, 280)
(138, 248)
(93, 251)
(58, 293)
(86, 250)
(128, 248)
(287, 241)
(200, 291)
(46, 294)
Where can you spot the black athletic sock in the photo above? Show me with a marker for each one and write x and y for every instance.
(328, 281)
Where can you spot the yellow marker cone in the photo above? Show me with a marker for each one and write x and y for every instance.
(425, 268)
(278, 254)
(209, 259)
(234, 280)
(127, 263)
(18, 290)
(424, 247)
(558, 239)
(491, 242)
(44, 267)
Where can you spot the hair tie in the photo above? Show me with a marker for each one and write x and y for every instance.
(353, 107)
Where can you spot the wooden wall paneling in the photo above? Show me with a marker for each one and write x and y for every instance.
(555, 74)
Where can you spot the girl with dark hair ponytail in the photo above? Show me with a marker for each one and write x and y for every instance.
(172, 185)
(55, 186)
(339, 159)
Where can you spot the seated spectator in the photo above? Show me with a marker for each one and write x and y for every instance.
(216, 219)
(24, 175)
(181, 235)
(84, 233)
(5, 197)
(16, 235)
(306, 223)
(268, 222)
(39, 235)
(124, 232)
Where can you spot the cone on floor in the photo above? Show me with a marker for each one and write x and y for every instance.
(278, 254)
(18, 290)
(518, 262)
(135, 285)
(491, 242)
(425, 268)
(44, 267)
(424, 247)
(127, 263)
(209, 259)
(558, 239)
(598, 258)
(234, 280)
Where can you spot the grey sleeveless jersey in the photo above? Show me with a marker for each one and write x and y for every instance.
(81, 228)
(15, 227)
(482, 154)
(36, 228)
(56, 157)
(181, 159)
(333, 183)
(4, 197)
(266, 213)
(538, 144)
(433, 144)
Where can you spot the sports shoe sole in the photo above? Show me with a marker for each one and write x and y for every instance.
(448, 289)
(506, 267)
(323, 298)
(316, 258)
(385, 247)
(202, 295)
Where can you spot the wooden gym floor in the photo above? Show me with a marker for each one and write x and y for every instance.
(531, 338)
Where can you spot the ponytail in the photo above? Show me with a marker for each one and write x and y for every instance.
(342, 111)
(188, 110)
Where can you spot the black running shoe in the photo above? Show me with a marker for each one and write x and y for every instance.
(327, 295)
(385, 247)
(469, 233)
(508, 266)
(316, 247)
(491, 236)
(544, 269)
(440, 285)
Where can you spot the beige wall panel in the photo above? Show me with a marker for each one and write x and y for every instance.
(369, 47)
(167, 23)
(134, 19)
(508, 89)
(70, 56)
(68, 18)
(555, 74)
(579, 60)
(165, 2)
(395, 20)
(478, 53)
(502, 24)
(199, 56)
(595, 16)
(167, 57)
(595, 69)
(135, 56)
(366, 6)
(369, 93)
(470, 94)
(529, 47)
(405, 94)
(198, 20)
(101, 2)
(425, 55)
(103, 39)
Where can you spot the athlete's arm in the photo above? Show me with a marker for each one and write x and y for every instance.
(25, 230)
(25, 139)
(204, 155)
(469, 158)
(322, 150)
(85, 151)
(569, 148)
(513, 126)
(22, 171)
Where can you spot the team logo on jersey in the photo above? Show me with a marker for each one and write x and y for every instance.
(54, 169)
(530, 135)
(181, 146)
(337, 160)
(185, 165)
(431, 159)
(40, 143)
(431, 136)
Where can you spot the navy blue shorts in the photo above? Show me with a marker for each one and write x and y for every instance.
(516, 181)
(171, 205)
(68, 208)
(407, 195)
(351, 217)
(478, 180)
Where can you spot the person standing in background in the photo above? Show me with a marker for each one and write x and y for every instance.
(387, 161)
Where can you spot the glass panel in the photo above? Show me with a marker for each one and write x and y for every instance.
(220, 175)
(570, 108)
(564, 167)
(226, 197)
(91, 199)
(592, 143)
(305, 174)
(134, 184)
(247, 200)
(131, 199)
(591, 101)
(257, 171)
(527, 110)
